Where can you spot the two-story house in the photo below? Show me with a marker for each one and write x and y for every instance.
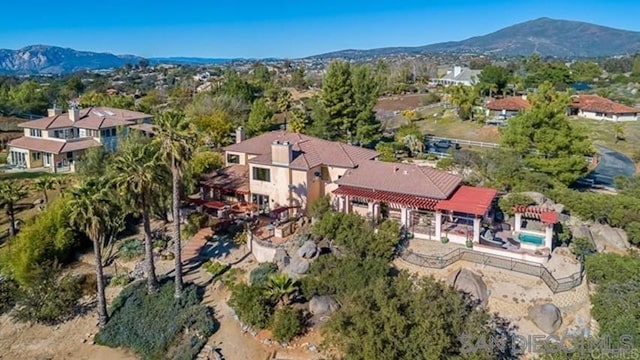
(280, 168)
(56, 141)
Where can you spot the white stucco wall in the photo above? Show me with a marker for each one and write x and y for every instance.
(608, 117)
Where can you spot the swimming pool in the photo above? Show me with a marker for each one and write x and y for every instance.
(531, 239)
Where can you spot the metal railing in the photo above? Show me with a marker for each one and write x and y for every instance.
(463, 142)
(501, 262)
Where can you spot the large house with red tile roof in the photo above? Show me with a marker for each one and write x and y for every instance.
(599, 108)
(281, 171)
(507, 107)
(58, 140)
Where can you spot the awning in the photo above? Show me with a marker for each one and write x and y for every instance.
(469, 200)
(544, 214)
(209, 204)
(387, 196)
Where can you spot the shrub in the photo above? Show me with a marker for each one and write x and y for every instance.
(582, 247)
(205, 162)
(131, 249)
(215, 268)
(232, 277)
(469, 243)
(507, 203)
(259, 275)
(158, 325)
(444, 239)
(286, 323)
(49, 299)
(445, 164)
(251, 305)
(88, 284)
(120, 280)
(319, 207)
(609, 267)
(430, 98)
(46, 238)
(195, 222)
(8, 290)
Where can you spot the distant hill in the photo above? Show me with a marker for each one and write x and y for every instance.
(44, 59)
(545, 36)
(190, 60)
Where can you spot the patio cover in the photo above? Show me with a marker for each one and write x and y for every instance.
(469, 200)
(234, 178)
(216, 205)
(387, 196)
(546, 215)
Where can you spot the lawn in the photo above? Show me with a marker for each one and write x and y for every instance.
(603, 133)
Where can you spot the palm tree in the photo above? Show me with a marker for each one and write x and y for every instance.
(176, 140)
(45, 183)
(136, 174)
(61, 182)
(10, 193)
(91, 211)
(279, 287)
(414, 144)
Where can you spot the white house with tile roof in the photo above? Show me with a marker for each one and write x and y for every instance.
(56, 141)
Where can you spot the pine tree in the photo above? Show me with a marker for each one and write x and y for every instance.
(338, 99)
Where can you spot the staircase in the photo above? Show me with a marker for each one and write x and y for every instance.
(192, 249)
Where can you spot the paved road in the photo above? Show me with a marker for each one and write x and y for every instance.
(611, 164)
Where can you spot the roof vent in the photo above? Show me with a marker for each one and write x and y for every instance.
(395, 169)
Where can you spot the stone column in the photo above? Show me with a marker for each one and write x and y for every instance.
(476, 230)
(518, 222)
(438, 225)
(548, 236)
(376, 211)
(404, 216)
(342, 207)
(347, 200)
(371, 209)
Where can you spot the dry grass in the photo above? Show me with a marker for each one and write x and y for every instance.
(400, 102)
(603, 133)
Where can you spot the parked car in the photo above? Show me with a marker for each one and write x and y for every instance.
(446, 144)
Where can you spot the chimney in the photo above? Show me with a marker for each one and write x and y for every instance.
(281, 153)
(74, 113)
(240, 135)
(457, 70)
(54, 111)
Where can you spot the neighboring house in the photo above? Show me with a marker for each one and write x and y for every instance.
(507, 107)
(599, 108)
(58, 140)
(282, 169)
(458, 76)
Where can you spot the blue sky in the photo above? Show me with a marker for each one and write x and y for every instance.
(286, 28)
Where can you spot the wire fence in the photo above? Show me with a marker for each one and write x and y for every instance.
(501, 262)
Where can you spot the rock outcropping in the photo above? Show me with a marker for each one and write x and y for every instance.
(547, 317)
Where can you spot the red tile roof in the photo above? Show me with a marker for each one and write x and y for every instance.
(401, 178)
(469, 200)
(94, 118)
(546, 215)
(308, 151)
(387, 196)
(53, 146)
(595, 103)
(511, 103)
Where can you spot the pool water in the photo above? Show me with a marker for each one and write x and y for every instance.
(531, 239)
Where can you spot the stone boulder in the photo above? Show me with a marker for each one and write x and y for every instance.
(138, 271)
(297, 267)
(536, 196)
(308, 250)
(604, 236)
(471, 283)
(547, 317)
(322, 305)
(281, 258)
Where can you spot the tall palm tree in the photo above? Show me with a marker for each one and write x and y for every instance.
(44, 184)
(279, 287)
(91, 211)
(10, 193)
(177, 141)
(136, 174)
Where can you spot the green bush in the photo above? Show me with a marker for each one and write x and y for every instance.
(158, 326)
(430, 98)
(120, 280)
(582, 247)
(259, 275)
(507, 203)
(251, 305)
(8, 290)
(445, 164)
(286, 323)
(444, 239)
(609, 267)
(49, 299)
(232, 277)
(215, 268)
(131, 249)
(195, 222)
(319, 207)
(47, 238)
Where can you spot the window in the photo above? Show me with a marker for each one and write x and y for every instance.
(261, 174)
(113, 132)
(35, 132)
(233, 159)
(36, 155)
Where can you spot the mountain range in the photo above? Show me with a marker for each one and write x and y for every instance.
(545, 36)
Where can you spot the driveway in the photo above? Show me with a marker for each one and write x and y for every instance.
(611, 165)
